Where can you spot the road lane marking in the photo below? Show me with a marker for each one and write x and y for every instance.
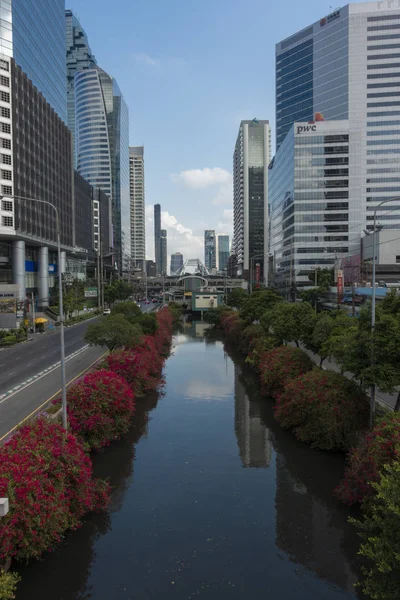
(51, 397)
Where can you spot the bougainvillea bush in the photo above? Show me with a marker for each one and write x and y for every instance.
(100, 408)
(366, 462)
(324, 408)
(279, 366)
(48, 479)
(163, 335)
(232, 326)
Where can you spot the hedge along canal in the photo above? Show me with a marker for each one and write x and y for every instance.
(211, 499)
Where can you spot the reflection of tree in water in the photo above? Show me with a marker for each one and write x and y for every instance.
(311, 525)
(48, 577)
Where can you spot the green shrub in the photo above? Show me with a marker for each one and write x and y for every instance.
(148, 323)
(324, 408)
(9, 340)
(250, 335)
(279, 366)
(215, 315)
(8, 584)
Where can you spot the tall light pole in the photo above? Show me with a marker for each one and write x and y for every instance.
(61, 308)
(373, 306)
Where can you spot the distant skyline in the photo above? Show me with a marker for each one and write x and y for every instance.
(189, 74)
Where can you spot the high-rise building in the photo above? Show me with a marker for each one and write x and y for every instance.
(250, 195)
(138, 218)
(151, 268)
(163, 251)
(102, 144)
(222, 250)
(210, 249)
(33, 33)
(176, 262)
(79, 58)
(343, 67)
(157, 238)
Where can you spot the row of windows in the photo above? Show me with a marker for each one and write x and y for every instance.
(6, 190)
(384, 189)
(394, 94)
(382, 75)
(308, 207)
(320, 162)
(5, 143)
(380, 56)
(393, 17)
(5, 112)
(321, 250)
(383, 180)
(5, 174)
(336, 195)
(384, 151)
(384, 47)
(394, 169)
(4, 65)
(383, 132)
(383, 65)
(381, 105)
(384, 27)
(389, 113)
(382, 123)
(4, 96)
(7, 221)
(381, 142)
(376, 38)
(382, 161)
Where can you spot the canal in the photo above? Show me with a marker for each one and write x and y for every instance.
(211, 499)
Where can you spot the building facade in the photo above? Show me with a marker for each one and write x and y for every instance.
(33, 33)
(345, 67)
(176, 262)
(250, 194)
(79, 58)
(163, 251)
(157, 238)
(316, 200)
(102, 144)
(137, 198)
(210, 249)
(222, 251)
(83, 203)
(151, 269)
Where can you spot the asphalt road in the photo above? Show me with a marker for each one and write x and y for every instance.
(22, 361)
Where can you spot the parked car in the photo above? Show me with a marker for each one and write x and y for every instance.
(107, 311)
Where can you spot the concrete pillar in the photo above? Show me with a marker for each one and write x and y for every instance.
(43, 277)
(63, 265)
(18, 267)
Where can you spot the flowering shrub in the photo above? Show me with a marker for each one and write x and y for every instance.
(232, 326)
(324, 408)
(366, 461)
(279, 366)
(100, 408)
(8, 584)
(249, 337)
(163, 335)
(47, 477)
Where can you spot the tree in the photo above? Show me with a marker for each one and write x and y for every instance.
(324, 279)
(118, 290)
(237, 298)
(113, 332)
(326, 325)
(259, 302)
(130, 310)
(74, 297)
(289, 322)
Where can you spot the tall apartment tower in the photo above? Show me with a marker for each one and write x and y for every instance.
(345, 67)
(157, 238)
(138, 220)
(176, 262)
(222, 251)
(210, 249)
(79, 58)
(102, 147)
(250, 195)
(163, 251)
(33, 33)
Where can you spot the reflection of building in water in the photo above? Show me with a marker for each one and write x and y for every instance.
(309, 531)
(255, 447)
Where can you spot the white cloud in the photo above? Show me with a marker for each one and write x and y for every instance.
(145, 59)
(202, 178)
(225, 194)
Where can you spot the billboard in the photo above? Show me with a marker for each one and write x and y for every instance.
(340, 286)
(8, 306)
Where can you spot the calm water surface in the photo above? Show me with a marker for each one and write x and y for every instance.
(211, 500)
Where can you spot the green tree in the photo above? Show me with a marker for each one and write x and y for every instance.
(113, 332)
(130, 310)
(289, 322)
(380, 532)
(148, 323)
(237, 298)
(257, 303)
(8, 584)
(324, 279)
(326, 325)
(118, 290)
(73, 297)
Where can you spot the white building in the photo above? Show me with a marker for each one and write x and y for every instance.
(137, 196)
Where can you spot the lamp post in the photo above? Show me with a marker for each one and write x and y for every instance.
(251, 269)
(61, 308)
(373, 307)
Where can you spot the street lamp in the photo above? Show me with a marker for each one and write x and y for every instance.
(251, 269)
(61, 308)
(373, 306)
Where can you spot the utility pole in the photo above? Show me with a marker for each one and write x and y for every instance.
(33, 312)
(291, 272)
(316, 286)
(98, 280)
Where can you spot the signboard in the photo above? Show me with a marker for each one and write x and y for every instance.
(91, 292)
(306, 128)
(332, 17)
(339, 286)
(8, 306)
(258, 272)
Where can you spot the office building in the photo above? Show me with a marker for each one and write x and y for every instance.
(222, 251)
(163, 251)
(176, 262)
(210, 249)
(83, 203)
(157, 238)
(138, 217)
(250, 195)
(33, 33)
(102, 145)
(79, 58)
(316, 200)
(151, 269)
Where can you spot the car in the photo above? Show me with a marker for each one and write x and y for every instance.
(147, 301)
(107, 311)
(155, 300)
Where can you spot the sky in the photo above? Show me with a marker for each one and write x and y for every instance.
(190, 72)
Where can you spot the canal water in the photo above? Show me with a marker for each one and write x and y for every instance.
(211, 499)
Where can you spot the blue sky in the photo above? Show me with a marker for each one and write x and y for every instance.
(190, 71)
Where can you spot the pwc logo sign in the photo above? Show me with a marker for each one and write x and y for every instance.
(306, 128)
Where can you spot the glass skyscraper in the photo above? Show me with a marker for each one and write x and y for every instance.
(222, 251)
(138, 216)
(33, 33)
(163, 251)
(102, 144)
(157, 238)
(210, 249)
(79, 57)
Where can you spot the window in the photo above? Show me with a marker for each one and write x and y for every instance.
(5, 144)
(384, 47)
(376, 38)
(380, 56)
(4, 96)
(6, 174)
(397, 259)
(7, 221)
(381, 104)
(6, 159)
(7, 205)
(6, 190)
(384, 132)
(4, 65)
(384, 94)
(6, 113)
(383, 18)
(5, 128)
(382, 123)
(384, 27)
(389, 113)
(4, 80)
(383, 75)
